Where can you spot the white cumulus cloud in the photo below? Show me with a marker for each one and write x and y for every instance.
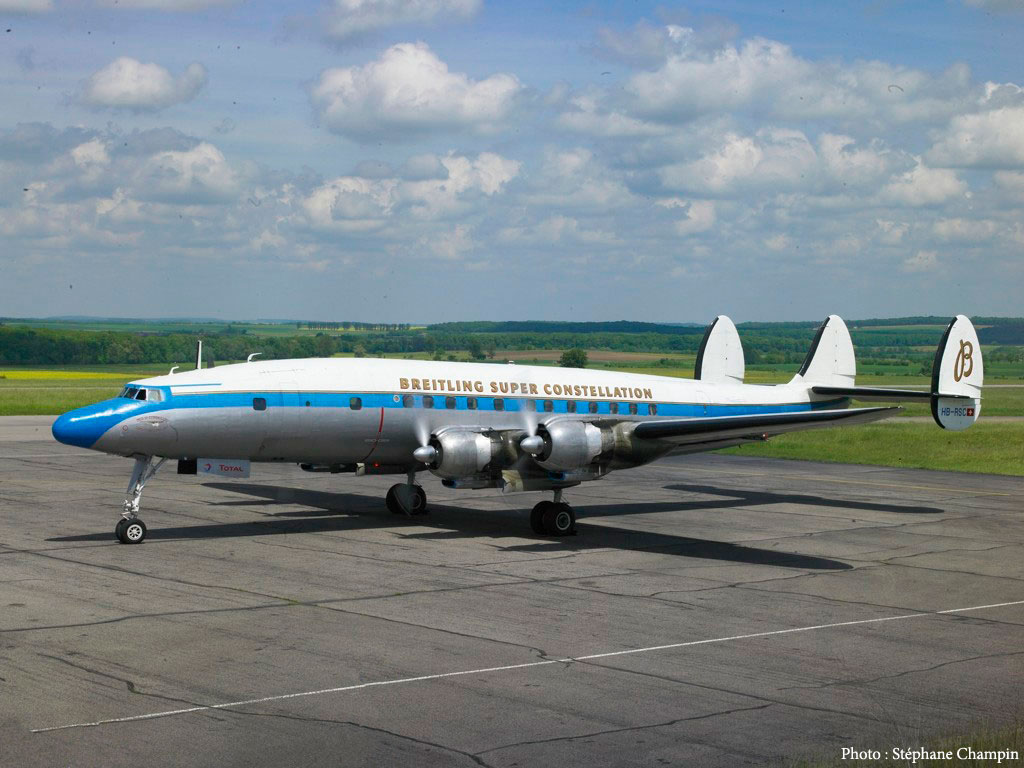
(346, 19)
(409, 91)
(992, 139)
(128, 83)
(198, 175)
(924, 186)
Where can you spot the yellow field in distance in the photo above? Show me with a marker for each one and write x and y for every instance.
(23, 375)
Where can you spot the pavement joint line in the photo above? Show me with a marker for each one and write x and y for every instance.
(817, 478)
(509, 667)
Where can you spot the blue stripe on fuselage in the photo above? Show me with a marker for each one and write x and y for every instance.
(84, 426)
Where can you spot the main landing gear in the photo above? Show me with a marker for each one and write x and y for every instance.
(407, 498)
(130, 529)
(553, 518)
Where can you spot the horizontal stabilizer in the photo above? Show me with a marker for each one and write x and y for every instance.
(720, 357)
(755, 426)
(875, 394)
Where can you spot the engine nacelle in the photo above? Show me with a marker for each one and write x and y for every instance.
(460, 454)
(569, 445)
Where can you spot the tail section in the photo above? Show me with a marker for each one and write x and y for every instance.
(957, 376)
(830, 361)
(720, 358)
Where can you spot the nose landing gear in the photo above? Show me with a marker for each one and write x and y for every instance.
(130, 529)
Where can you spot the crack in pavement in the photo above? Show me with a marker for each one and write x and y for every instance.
(625, 729)
(868, 681)
(129, 684)
(756, 697)
(301, 718)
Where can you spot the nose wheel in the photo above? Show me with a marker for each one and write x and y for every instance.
(130, 530)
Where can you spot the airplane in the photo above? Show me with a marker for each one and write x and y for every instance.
(482, 425)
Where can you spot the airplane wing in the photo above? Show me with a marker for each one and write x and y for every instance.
(756, 426)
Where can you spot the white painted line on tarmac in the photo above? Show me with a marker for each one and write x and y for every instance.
(508, 667)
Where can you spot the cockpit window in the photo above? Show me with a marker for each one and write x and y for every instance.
(138, 393)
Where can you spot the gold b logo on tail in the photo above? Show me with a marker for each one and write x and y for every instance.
(963, 366)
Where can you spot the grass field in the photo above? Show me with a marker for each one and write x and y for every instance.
(996, 448)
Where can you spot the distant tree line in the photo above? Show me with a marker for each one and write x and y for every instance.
(763, 343)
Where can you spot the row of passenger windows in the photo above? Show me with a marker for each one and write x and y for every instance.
(429, 401)
(572, 406)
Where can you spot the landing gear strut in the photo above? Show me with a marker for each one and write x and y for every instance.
(553, 518)
(407, 498)
(130, 529)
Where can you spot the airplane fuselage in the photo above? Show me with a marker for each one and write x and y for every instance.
(358, 410)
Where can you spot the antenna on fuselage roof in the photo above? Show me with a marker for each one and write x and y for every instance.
(199, 354)
(251, 356)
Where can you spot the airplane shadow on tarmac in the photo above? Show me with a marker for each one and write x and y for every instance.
(347, 512)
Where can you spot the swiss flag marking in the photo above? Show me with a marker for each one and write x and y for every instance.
(970, 411)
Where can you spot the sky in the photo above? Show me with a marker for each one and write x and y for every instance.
(438, 160)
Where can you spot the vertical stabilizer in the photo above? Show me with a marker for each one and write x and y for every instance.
(720, 358)
(830, 360)
(957, 376)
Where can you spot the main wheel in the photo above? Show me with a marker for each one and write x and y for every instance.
(558, 519)
(392, 501)
(537, 517)
(419, 501)
(130, 531)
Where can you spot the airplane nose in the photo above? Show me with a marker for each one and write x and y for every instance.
(81, 427)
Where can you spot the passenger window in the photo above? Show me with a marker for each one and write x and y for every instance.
(407, 401)
(549, 406)
(428, 401)
(592, 407)
(529, 405)
(652, 409)
(471, 403)
(355, 403)
(449, 402)
(633, 409)
(613, 407)
(499, 404)
(571, 406)
(259, 403)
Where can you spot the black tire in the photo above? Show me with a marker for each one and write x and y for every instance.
(392, 501)
(559, 520)
(132, 532)
(537, 517)
(419, 501)
(119, 530)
